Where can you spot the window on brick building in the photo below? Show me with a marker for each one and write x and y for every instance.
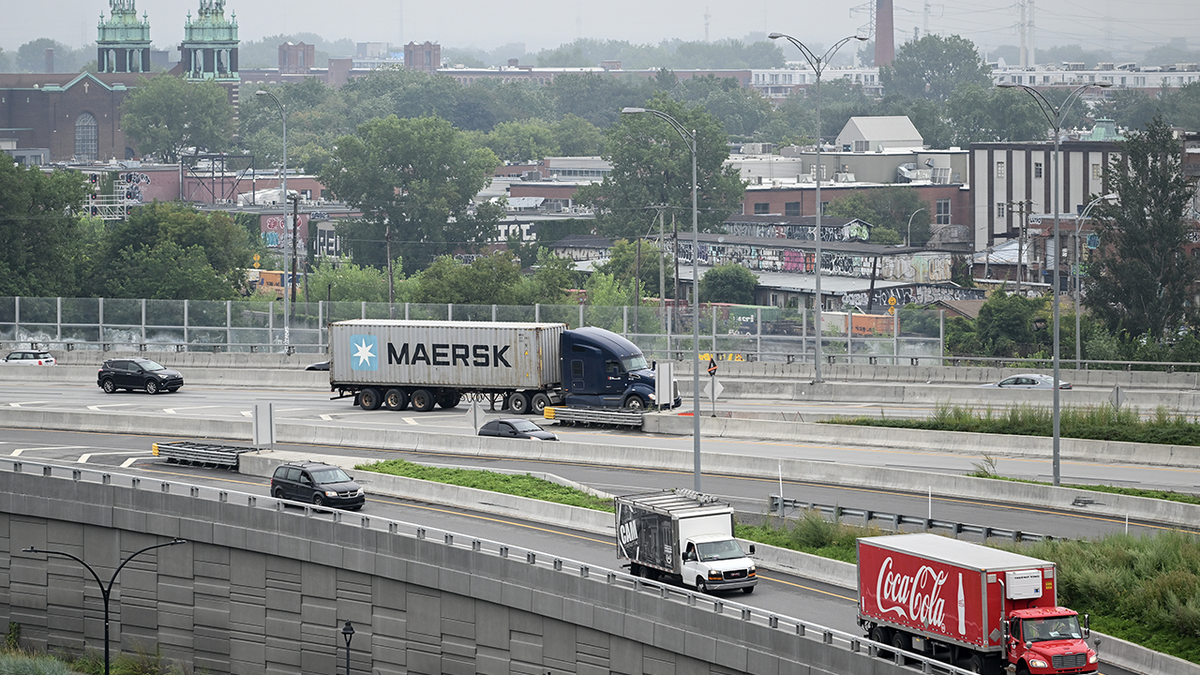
(943, 212)
(791, 208)
(86, 138)
(761, 208)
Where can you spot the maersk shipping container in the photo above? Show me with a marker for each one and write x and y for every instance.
(460, 354)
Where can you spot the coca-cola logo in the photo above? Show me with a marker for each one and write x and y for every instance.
(916, 597)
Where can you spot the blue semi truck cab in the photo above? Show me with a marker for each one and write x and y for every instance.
(601, 369)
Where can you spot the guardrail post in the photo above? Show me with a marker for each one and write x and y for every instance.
(164, 487)
(718, 607)
(558, 564)
(449, 539)
(76, 474)
(896, 522)
(420, 533)
(773, 621)
(531, 557)
(827, 637)
(105, 479)
(223, 496)
(393, 528)
(800, 629)
(1016, 536)
(855, 645)
(195, 491)
(584, 571)
(47, 471)
(503, 551)
(774, 504)
(745, 614)
(476, 545)
(867, 516)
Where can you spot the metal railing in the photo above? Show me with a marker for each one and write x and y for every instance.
(897, 521)
(788, 625)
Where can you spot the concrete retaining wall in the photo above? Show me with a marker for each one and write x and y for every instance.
(262, 588)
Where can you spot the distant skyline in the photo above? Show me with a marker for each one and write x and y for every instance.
(1120, 26)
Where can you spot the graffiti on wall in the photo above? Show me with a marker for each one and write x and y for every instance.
(921, 294)
(274, 230)
(855, 229)
(922, 268)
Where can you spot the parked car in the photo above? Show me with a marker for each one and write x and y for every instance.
(30, 357)
(516, 428)
(143, 374)
(317, 483)
(1028, 381)
(321, 365)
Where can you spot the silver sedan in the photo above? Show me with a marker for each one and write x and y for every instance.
(1028, 381)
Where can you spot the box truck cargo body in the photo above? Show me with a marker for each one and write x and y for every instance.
(529, 365)
(986, 607)
(684, 536)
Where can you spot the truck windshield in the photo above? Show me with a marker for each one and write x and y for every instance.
(635, 362)
(720, 550)
(1053, 628)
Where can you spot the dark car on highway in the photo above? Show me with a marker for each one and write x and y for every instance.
(516, 428)
(317, 483)
(137, 374)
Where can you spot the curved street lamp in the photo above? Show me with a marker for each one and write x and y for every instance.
(1055, 116)
(348, 635)
(287, 229)
(818, 64)
(1087, 211)
(105, 591)
(690, 139)
(908, 237)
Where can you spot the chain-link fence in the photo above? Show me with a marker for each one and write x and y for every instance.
(726, 332)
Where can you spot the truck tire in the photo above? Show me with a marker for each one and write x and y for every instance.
(635, 569)
(449, 399)
(395, 399)
(883, 636)
(518, 403)
(539, 402)
(423, 400)
(901, 642)
(702, 585)
(634, 402)
(748, 590)
(976, 664)
(368, 399)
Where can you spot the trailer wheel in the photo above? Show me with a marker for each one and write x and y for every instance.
(395, 399)
(449, 400)
(539, 402)
(901, 641)
(423, 400)
(518, 403)
(368, 399)
(883, 636)
(976, 664)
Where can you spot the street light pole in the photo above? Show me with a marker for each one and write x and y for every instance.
(818, 64)
(105, 591)
(348, 634)
(287, 333)
(1055, 116)
(1087, 211)
(908, 237)
(690, 139)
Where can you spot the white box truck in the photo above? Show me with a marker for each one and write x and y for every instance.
(684, 536)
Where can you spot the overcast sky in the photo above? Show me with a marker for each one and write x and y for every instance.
(1121, 24)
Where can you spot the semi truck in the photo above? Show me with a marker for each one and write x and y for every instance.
(685, 537)
(994, 610)
(423, 364)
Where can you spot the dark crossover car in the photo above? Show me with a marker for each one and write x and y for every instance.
(317, 483)
(516, 428)
(143, 374)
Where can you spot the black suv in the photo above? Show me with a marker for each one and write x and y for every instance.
(131, 374)
(317, 483)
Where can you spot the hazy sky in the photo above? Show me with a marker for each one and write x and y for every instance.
(1119, 24)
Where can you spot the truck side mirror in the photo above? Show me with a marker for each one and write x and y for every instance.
(1087, 628)
(751, 549)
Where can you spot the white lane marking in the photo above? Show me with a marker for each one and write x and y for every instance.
(18, 451)
(108, 405)
(129, 462)
(250, 413)
(327, 418)
(83, 459)
(413, 421)
(21, 403)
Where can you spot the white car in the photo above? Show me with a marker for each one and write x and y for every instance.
(1028, 381)
(30, 357)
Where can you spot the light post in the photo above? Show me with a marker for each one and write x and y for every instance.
(1055, 116)
(287, 333)
(818, 64)
(690, 139)
(348, 634)
(1087, 211)
(105, 591)
(908, 237)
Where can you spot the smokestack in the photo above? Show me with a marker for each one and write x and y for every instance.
(885, 45)
(50, 60)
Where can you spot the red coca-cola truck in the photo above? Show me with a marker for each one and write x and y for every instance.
(977, 607)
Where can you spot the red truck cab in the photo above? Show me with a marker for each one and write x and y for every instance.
(1049, 640)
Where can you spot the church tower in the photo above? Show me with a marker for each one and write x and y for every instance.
(209, 49)
(123, 44)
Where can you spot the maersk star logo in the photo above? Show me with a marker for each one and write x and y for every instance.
(365, 354)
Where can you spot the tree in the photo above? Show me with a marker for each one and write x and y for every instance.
(521, 142)
(985, 114)
(552, 277)
(31, 57)
(164, 115)
(887, 209)
(622, 264)
(1005, 325)
(488, 280)
(652, 165)
(135, 256)
(413, 179)
(1142, 282)
(577, 137)
(933, 66)
(728, 283)
(39, 224)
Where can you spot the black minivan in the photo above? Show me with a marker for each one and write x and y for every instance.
(317, 483)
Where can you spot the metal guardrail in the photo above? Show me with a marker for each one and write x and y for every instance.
(867, 517)
(785, 624)
(203, 454)
(617, 418)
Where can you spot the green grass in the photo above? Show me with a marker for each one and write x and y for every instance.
(519, 485)
(1101, 423)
